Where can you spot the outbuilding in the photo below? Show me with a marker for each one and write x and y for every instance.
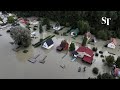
(48, 44)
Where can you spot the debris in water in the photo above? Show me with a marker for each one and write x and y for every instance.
(62, 66)
(43, 60)
(84, 69)
(65, 55)
(79, 69)
(25, 51)
(0, 34)
(34, 59)
(16, 49)
(11, 43)
(8, 31)
(35, 37)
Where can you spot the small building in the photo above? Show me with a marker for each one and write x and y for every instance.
(88, 35)
(112, 43)
(63, 46)
(117, 72)
(57, 26)
(75, 32)
(85, 53)
(48, 44)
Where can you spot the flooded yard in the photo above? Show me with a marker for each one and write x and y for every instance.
(15, 64)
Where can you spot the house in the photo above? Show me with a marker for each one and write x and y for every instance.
(75, 32)
(48, 44)
(63, 46)
(57, 26)
(117, 72)
(112, 43)
(88, 35)
(85, 53)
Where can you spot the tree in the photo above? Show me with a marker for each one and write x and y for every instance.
(11, 19)
(72, 47)
(83, 26)
(47, 23)
(118, 62)
(40, 28)
(1, 19)
(102, 34)
(110, 60)
(94, 49)
(95, 70)
(105, 76)
(84, 42)
(21, 36)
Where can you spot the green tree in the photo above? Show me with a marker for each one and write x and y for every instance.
(40, 28)
(84, 42)
(102, 34)
(83, 26)
(11, 19)
(72, 47)
(118, 62)
(106, 76)
(1, 19)
(21, 36)
(110, 60)
(47, 23)
(95, 70)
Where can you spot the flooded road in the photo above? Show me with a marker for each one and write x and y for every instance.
(15, 64)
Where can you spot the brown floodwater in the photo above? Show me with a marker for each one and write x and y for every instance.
(16, 65)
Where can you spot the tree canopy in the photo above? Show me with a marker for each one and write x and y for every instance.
(89, 20)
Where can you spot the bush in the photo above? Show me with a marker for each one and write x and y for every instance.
(101, 52)
(11, 19)
(96, 54)
(65, 34)
(56, 32)
(103, 60)
(105, 76)
(72, 47)
(95, 70)
(40, 28)
(101, 56)
(1, 19)
(110, 60)
(84, 42)
(94, 49)
(118, 62)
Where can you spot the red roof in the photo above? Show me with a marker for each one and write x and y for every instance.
(88, 59)
(86, 50)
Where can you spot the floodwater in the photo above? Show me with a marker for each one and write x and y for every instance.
(15, 64)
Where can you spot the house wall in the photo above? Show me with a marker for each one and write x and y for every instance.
(81, 54)
(111, 45)
(46, 46)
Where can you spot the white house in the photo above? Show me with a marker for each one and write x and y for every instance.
(48, 44)
(112, 43)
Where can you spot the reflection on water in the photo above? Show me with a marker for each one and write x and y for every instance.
(22, 57)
